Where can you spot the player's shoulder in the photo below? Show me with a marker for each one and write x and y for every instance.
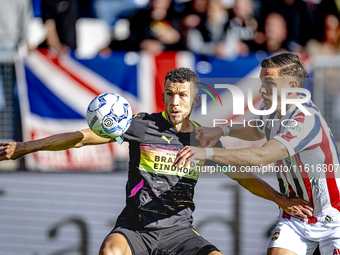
(311, 107)
(139, 119)
(311, 115)
(139, 125)
(144, 116)
(139, 115)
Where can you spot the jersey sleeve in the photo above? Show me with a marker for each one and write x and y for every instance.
(301, 133)
(137, 129)
(47, 10)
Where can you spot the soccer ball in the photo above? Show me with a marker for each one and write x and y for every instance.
(109, 115)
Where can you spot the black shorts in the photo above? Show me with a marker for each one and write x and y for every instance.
(169, 241)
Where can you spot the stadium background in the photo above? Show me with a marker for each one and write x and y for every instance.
(66, 202)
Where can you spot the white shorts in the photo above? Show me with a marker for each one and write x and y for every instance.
(302, 237)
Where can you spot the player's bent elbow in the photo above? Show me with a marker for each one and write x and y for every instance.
(114, 244)
(90, 138)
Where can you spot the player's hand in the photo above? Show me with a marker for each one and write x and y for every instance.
(9, 150)
(208, 136)
(297, 207)
(189, 152)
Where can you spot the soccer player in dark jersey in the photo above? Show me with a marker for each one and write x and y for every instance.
(157, 218)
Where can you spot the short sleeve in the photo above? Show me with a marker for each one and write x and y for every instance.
(301, 133)
(48, 9)
(137, 129)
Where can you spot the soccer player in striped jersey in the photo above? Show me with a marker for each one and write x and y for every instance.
(305, 156)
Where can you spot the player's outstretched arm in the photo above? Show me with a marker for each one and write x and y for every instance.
(209, 136)
(295, 207)
(14, 150)
(271, 151)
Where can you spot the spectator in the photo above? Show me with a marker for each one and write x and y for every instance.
(195, 13)
(154, 30)
(275, 34)
(210, 37)
(298, 20)
(59, 17)
(197, 8)
(243, 25)
(14, 17)
(330, 44)
(324, 8)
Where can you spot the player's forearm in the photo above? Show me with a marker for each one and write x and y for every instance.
(14, 150)
(271, 151)
(241, 157)
(260, 188)
(52, 143)
(68, 140)
(296, 207)
(245, 133)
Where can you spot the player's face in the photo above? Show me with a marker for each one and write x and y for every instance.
(179, 99)
(270, 79)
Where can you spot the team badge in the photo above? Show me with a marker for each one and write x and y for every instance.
(329, 219)
(276, 234)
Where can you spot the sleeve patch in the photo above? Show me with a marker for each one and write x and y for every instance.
(295, 128)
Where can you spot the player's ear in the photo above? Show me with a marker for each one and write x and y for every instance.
(293, 84)
(197, 99)
(163, 98)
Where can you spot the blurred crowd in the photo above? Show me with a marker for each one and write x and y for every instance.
(222, 28)
(229, 28)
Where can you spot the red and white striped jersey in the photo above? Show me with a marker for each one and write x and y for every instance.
(310, 170)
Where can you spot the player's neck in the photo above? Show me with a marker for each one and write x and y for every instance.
(185, 126)
(278, 110)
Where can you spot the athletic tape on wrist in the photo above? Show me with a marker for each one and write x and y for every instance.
(209, 153)
(225, 130)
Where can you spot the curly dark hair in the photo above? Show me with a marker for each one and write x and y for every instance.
(289, 65)
(182, 75)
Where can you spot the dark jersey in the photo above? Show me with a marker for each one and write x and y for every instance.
(158, 194)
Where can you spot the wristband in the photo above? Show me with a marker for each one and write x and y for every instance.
(225, 130)
(119, 140)
(209, 152)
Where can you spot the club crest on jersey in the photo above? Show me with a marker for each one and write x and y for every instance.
(328, 218)
(276, 234)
